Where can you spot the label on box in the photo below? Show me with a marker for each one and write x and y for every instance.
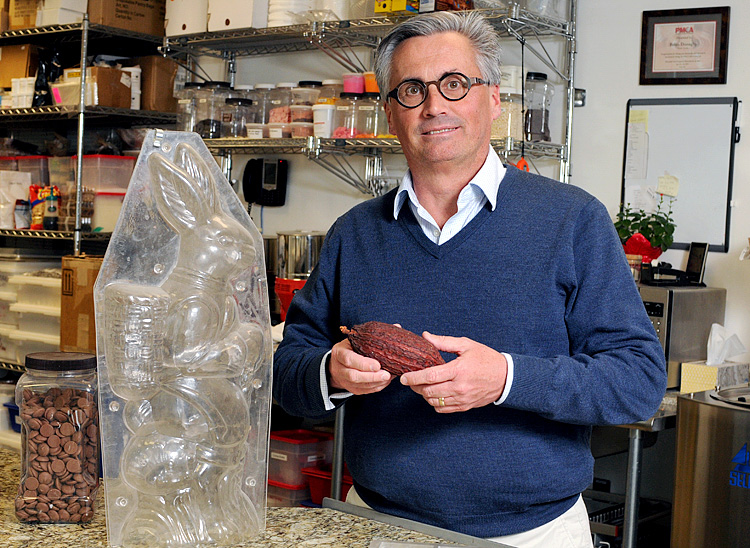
(278, 456)
(255, 133)
(315, 458)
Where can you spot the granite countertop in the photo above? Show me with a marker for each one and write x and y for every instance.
(285, 527)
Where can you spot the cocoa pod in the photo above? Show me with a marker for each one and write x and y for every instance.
(398, 350)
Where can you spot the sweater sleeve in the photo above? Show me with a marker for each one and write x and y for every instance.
(615, 372)
(310, 330)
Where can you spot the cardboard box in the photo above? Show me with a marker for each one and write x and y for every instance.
(187, 17)
(157, 83)
(224, 15)
(21, 14)
(17, 62)
(146, 16)
(77, 325)
(105, 87)
(698, 377)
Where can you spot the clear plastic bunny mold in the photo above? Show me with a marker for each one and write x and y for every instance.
(184, 354)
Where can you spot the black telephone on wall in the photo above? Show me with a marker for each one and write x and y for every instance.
(664, 274)
(264, 181)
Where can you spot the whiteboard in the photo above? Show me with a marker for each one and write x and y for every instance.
(683, 148)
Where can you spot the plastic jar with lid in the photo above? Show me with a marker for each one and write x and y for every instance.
(510, 121)
(235, 116)
(57, 402)
(263, 104)
(280, 99)
(538, 96)
(345, 116)
(330, 91)
(186, 106)
(369, 115)
(210, 100)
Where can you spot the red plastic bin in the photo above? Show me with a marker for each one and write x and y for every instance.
(292, 450)
(320, 482)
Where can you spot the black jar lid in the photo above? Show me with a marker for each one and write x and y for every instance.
(239, 101)
(371, 95)
(536, 76)
(60, 361)
(350, 95)
(309, 83)
(217, 84)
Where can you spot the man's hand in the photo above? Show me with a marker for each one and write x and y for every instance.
(474, 379)
(354, 373)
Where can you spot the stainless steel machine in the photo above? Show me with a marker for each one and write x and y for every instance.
(682, 317)
(712, 475)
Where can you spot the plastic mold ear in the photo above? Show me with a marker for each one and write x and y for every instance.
(184, 343)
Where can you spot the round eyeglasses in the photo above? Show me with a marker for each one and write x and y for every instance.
(454, 86)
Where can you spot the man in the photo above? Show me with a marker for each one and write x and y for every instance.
(519, 280)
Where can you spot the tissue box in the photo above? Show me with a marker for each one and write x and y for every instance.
(697, 376)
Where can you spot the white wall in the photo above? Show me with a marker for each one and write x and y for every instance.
(607, 67)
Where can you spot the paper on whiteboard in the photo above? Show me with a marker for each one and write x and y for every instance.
(636, 161)
(641, 197)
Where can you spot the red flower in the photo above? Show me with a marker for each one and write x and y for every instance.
(637, 244)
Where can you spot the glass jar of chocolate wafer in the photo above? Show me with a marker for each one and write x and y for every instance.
(57, 405)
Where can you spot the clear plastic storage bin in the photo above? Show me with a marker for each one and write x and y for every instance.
(293, 450)
(106, 173)
(280, 494)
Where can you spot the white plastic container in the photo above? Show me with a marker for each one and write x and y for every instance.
(323, 120)
(41, 320)
(38, 290)
(29, 342)
(107, 206)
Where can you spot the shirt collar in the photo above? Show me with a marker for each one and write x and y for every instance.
(487, 180)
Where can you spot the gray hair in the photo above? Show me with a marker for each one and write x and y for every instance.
(472, 25)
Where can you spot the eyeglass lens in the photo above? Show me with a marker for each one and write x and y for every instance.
(453, 86)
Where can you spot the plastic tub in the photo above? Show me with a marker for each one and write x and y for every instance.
(106, 173)
(15, 422)
(281, 494)
(41, 320)
(304, 96)
(323, 120)
(37, 166)
(279, 131)
(38, 290)
(302, 129)
(8, 163)
(61, 171)
(29, 342)
(107, 206)
(320, 482)
(293, 450)
(8, 346)
(301, 113)
(257, 131)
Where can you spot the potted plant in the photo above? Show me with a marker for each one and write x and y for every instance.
(646, 233)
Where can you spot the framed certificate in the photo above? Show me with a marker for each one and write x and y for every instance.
(685, 46)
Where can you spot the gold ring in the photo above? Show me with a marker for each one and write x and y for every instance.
(441, 402)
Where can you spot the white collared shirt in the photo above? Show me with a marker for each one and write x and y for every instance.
(481, 189)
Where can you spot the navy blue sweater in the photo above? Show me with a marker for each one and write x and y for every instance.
(543, 278)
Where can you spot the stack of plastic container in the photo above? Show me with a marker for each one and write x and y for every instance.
(290, 452)
(29, 306)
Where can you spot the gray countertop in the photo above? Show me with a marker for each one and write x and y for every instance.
(285, 527)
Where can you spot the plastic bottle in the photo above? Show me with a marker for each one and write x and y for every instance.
(345, 116)
(538, 96)
(57, 402)
(51, 215)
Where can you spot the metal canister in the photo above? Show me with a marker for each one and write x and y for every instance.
(298, 253)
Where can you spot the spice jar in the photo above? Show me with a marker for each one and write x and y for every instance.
(280, 99)
(186, 111)
(235, 116)
(210, 99)
(345, 116)
(263, 104)
(330, 91)
(369, 115)
(510, 121)
(57, 402)
(538, 98)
